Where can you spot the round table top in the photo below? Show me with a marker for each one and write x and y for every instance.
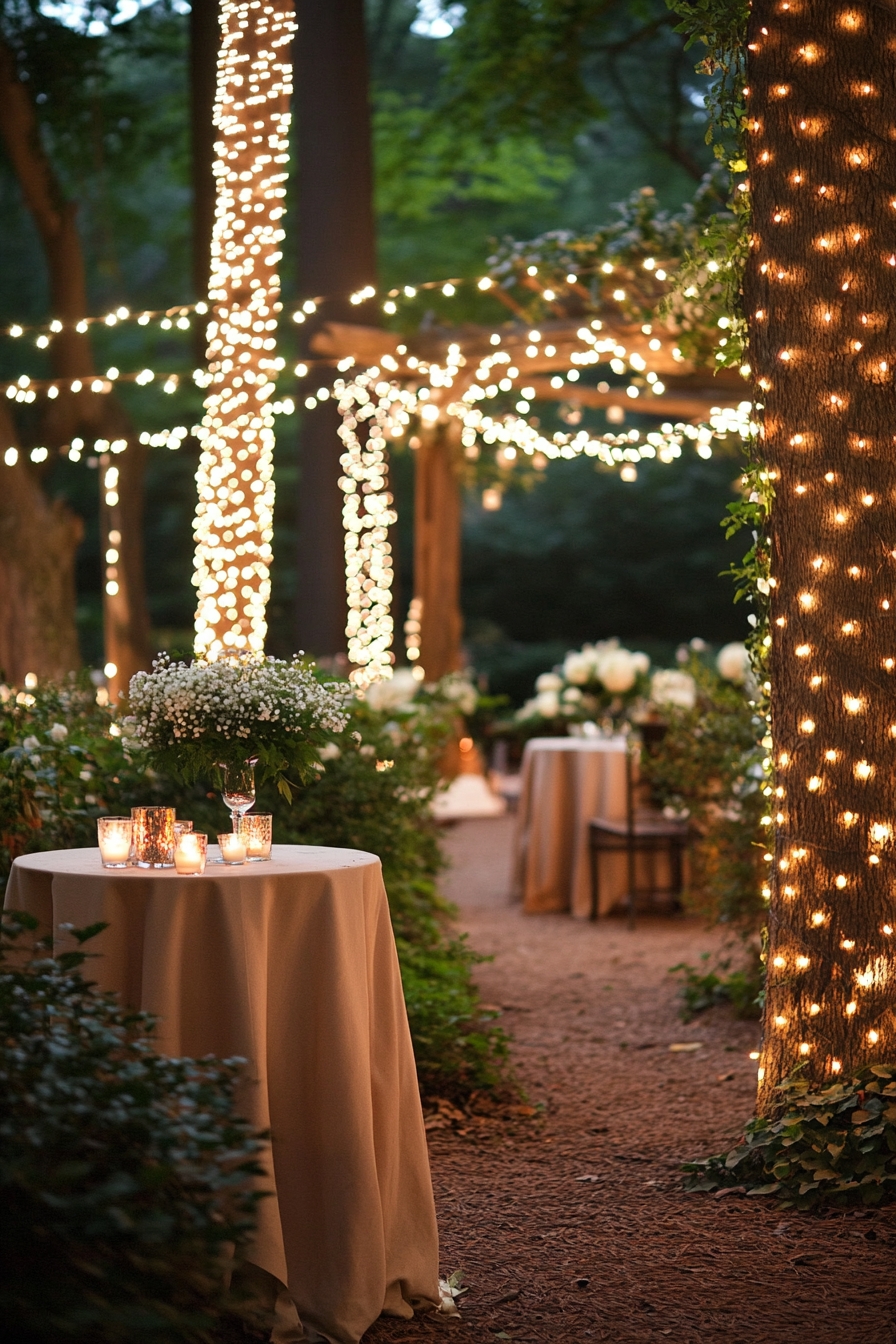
(285, 859)
(576, 744)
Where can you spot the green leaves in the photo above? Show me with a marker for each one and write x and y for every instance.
(128, 1172)
(835, 1146)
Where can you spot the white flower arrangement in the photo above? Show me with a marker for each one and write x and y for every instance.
(192, 717)
(591, 680)
(671, 687)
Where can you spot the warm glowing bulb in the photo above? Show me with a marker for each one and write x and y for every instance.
(813, 784)
(840, 881)
(807, 726)
(818, 918)
(874, 1037)
(803, 650)
(863, 770)
(851, 1008)
(779, 962)
(807, 600)
(814, 1009)
(804, 1048)
(802, 962)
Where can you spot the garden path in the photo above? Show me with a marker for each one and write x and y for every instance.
(574, 1227)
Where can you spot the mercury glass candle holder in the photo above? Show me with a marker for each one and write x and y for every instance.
(256, 829)
(233, 847)
(153, 836)
(114, 836)
(190, 853)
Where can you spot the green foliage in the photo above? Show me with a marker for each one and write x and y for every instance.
(372, 791)
(424, 166)
(125, 1176)
(709, 768)
(705, 987)
(835, 1147)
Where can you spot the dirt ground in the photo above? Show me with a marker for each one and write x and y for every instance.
(575, 1226)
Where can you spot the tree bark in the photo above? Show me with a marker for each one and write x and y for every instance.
(38, 541)
(820, 291)
(205, 36)
(337, 256)
(126, 621)
(437, 548)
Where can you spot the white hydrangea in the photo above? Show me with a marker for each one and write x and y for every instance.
(618, 671)
(461, 691)
(670, 687)
(394, 692)
(237, 698)
(733, 663)
(549, 681)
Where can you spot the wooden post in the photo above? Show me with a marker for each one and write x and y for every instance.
(437, 549)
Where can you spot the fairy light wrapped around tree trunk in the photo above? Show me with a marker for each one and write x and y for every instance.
(234, 514)
(820, 292)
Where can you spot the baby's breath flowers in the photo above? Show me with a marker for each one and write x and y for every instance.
(189, 718)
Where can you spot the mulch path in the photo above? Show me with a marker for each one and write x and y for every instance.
(571, 1224)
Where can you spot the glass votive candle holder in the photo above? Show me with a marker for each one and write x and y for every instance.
(190, 853)
(114, 836)
(256, 828)
(153, 836)
(233, 847)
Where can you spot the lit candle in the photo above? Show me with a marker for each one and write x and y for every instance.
(255, 829)
(189, 856)
(114, 838)
(233, 848)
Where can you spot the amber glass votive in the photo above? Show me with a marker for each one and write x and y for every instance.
(114, 835)
(153, 836)
(256, 829)
(190, 853)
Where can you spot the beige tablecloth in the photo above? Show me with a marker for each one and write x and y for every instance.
(565, 782)
(292, 965)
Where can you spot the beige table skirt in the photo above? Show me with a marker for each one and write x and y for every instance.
(566, 781)
(292, 965)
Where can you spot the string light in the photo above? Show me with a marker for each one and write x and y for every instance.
(234, 514)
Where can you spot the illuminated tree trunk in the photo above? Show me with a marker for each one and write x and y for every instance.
(437, 550)
(821, 300)
(234, 513)
(125, 618)
(337, 257)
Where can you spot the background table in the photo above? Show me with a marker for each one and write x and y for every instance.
(565, 782)
(292, 965)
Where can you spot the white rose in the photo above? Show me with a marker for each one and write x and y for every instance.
(31, 743)
(618, 671)
(641, 662)
(733, 663)
(549, 681)
(673, 688)
(58, 732)
(572, 695)
(547, 704)
(578, 668)
(330, 751)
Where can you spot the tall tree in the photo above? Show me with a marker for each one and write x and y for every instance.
(820, 292)
(126, 619)
(204, 41)
(38, 541)
(337, 256)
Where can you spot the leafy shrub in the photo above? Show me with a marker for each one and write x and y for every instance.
(836, 1146)
(125, 1176)
(66, 763)
(708, 767)
(705, 988)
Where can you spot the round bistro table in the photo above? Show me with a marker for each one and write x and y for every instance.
(290, 964)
